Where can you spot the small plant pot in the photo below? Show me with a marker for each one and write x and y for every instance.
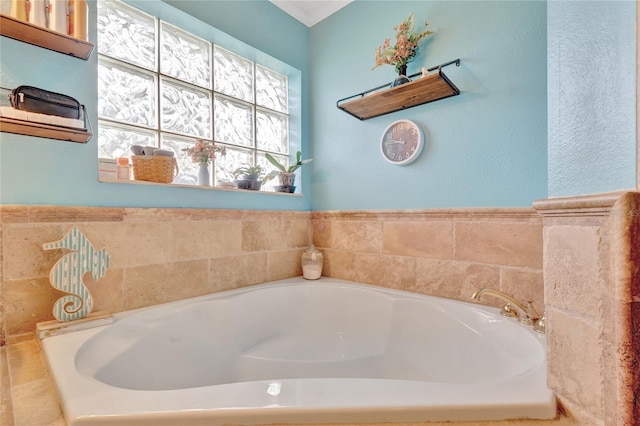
(249, 182)
(285, 188)
(286, 179)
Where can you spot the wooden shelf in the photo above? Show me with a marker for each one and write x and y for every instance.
(20, 127)
(44, 37)
(58, 42)
(422, 90)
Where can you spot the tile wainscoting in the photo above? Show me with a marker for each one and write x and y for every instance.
(449, 253)
(587, 248)
(592, 295)
(445, 252)
(157, 255)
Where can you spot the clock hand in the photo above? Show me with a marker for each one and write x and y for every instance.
(391, 142)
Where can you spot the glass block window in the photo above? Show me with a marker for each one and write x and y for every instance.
(162, 86)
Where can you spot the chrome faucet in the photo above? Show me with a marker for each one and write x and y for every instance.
(525, 314)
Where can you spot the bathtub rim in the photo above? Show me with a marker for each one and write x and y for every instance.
(82, 409)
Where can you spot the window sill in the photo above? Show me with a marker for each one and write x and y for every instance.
(206, 188)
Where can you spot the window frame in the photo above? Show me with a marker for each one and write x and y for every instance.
(292, 141)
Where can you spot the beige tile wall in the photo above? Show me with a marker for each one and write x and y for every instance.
(591, 249)
(157, 255)
(591, 258)
(449, 253)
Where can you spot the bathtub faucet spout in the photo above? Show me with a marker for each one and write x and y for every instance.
(525, 314)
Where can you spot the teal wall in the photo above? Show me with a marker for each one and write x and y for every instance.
(592, 97)
(50, 172)
(485, 147)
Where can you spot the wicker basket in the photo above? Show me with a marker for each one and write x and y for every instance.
(154, 168)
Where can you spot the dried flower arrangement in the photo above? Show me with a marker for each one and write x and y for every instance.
(204, 151)
(406, 47)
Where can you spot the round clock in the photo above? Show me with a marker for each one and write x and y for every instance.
(401, 142)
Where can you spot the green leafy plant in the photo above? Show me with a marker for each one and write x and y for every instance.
(293, 167)
(249, 170)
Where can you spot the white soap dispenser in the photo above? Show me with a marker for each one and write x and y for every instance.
(312, 263)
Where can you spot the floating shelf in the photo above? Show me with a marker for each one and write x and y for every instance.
(44, 37)
(379, 101)
(20, 127)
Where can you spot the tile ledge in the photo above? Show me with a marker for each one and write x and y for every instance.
(70, 214)
(34, 213)
(56, 328)
(581, 205)
(493, 212)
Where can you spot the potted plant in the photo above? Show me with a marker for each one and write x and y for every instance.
(286, 176)
(249, 177)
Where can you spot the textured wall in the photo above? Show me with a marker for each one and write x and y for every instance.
(592, 96)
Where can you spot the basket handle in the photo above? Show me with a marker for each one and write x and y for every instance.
(175, 166)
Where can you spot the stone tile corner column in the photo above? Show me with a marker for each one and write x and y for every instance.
(591, 266)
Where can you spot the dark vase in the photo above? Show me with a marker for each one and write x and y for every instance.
(402, 78)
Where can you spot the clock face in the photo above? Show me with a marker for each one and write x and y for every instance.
(401, 142)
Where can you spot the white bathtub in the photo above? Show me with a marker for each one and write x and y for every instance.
(295, 351)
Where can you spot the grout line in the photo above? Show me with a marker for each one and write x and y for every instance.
(453, 240)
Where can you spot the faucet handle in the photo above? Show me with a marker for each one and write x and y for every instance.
(508, 311)
(541, 325)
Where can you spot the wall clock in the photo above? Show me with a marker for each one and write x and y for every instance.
(401, 142)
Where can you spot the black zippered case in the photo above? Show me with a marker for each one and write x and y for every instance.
(33, 99)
